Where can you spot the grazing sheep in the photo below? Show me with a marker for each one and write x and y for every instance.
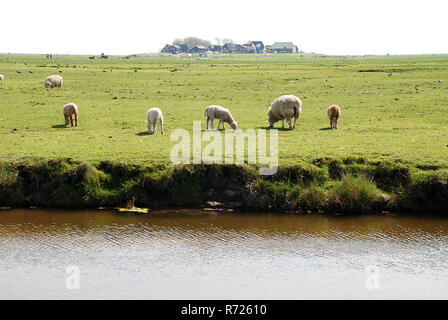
(334, 113)
(53, 81)
(2, 78)
(153, 116)
(68, 111)
(222, 114)
(284, 108)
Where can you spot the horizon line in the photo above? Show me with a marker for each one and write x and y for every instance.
(313, 53)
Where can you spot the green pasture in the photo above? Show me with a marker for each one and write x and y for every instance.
(402, 117)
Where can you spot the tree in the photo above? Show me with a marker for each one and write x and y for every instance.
(227, 40)
(223, 41)
(192, 41)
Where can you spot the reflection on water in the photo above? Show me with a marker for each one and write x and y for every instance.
(197, 255)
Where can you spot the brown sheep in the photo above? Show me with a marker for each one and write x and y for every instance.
(334, 113)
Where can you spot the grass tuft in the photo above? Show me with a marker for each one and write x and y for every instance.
(354, 194)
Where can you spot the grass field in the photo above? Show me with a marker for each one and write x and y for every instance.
(400, 117)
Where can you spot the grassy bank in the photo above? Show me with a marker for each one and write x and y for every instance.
(389, 152)
(350, 185)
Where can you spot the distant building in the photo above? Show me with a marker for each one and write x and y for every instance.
(183, 47)
(229, 48)
(249, 47)
(217, 48)
(244, 48)
(199, 49)
(284, 47)
(169, 48)
(259, 46)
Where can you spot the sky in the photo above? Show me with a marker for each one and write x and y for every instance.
(342, 27)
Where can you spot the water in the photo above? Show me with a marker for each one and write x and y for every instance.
(198, 255)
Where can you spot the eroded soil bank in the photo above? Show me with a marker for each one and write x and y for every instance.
(350, 185)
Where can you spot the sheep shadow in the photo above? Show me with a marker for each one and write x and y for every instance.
(143, 133)
(59, 126)
(326, 128)
(215, 130)
(279, 129)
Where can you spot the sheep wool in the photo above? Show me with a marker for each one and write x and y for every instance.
(154, 116)
(70, 110)
(213, 112)
(285, 108)
(53, 81)
(333, 114)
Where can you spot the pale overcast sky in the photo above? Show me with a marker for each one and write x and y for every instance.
(130, 26)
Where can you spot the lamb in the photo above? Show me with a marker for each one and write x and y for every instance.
(285, 108)
(213, 112)
(153, 116)
(334, 113)
(53, 81)
(2, 78)
(68, 111)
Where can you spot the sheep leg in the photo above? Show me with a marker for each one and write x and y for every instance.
(289, 123)
(66, 121)
(161, 124)
(283, 123)
(211, 120)
(208, 119)
(219, 124)
(71, 121)
(76, 120)
(295, 120)
(154, 128)
(336, 124)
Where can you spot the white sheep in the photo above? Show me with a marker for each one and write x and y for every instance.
(333, 114)
(153, 116)
(68, 111)
(2, 78)
(213, 112)
(285, 108)
(53, 81)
